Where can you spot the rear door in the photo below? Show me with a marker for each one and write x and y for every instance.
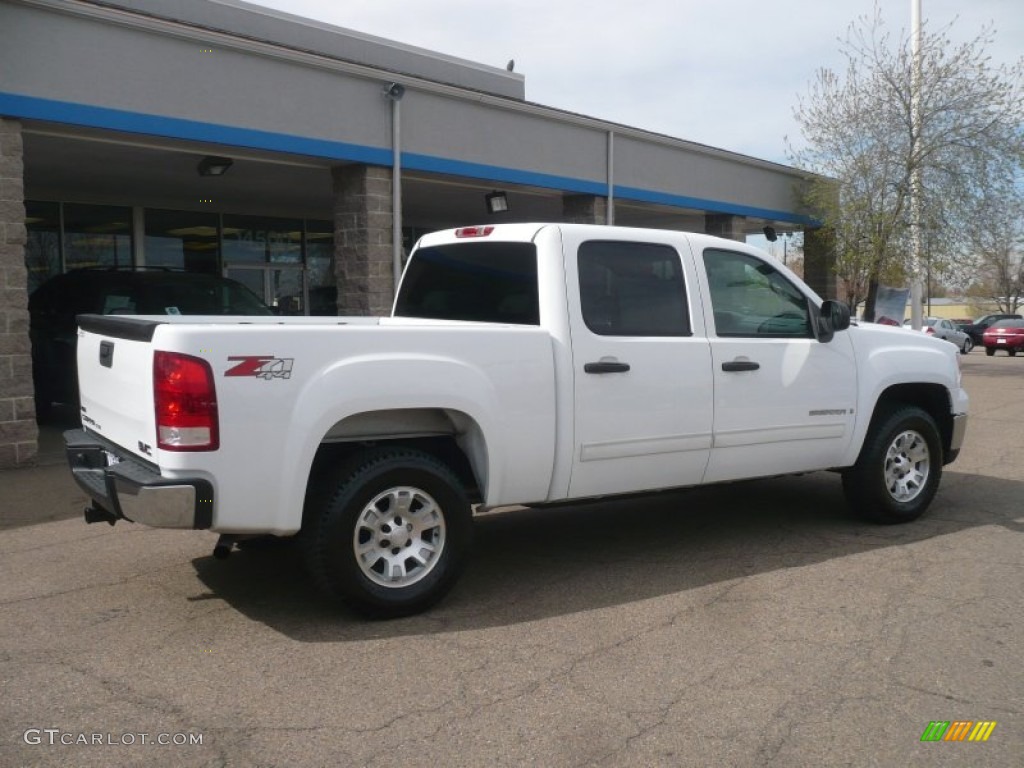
(641, 365)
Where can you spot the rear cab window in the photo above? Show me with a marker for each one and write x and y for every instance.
(494, 282)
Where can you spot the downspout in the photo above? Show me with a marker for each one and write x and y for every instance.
(394, 92)
(610, 216)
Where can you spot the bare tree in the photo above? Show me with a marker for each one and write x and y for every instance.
(862, 145)
(996, 238)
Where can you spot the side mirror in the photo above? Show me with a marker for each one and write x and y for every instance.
(834, 316)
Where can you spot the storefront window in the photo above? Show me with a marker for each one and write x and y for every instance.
(183, 240)
(261, 240)
(287, 262)
(42, 250)
(287, 290)
(97, 236)
(271, 247)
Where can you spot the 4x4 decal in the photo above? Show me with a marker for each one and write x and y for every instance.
(261, 366)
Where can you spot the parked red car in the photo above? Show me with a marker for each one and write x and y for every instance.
(1005, 334)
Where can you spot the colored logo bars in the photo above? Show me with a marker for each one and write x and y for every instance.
(958, 730)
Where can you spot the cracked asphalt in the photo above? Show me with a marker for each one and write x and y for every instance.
(757, 624)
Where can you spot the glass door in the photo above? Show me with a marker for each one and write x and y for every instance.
(284, 288)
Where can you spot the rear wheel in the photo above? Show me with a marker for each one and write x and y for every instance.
(989, 351)
(1011, 352)
(388, 532)
(898, 471)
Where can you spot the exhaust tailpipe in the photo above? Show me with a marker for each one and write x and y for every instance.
(225, 543)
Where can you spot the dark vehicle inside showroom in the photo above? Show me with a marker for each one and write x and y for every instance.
(54, 306)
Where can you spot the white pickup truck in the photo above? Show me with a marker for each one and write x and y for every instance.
(522, 364)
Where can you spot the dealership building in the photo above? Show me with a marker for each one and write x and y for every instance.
(302, 160)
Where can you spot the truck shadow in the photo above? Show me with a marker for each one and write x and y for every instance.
(531, 564)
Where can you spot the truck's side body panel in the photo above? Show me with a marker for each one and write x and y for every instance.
(272, 424)
(654, 363)
(888, 357)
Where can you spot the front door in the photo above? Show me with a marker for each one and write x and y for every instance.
(784, 402)
(642, 370)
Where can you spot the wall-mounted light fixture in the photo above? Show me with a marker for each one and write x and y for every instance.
(394, 91)
(214, 166)
(770, 234)
(497, 202)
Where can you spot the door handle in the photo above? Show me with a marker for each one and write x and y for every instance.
(606, 367)
(741, 365)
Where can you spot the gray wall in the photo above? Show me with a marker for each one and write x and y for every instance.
(308, 35)
(708, 175)
(162, 80)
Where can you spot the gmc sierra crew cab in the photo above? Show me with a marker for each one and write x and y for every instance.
(521, 364)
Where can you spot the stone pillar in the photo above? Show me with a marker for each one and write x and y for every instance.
(584, 209)
(18, 432)
(363, 240)
(820, 261)
(725, 225)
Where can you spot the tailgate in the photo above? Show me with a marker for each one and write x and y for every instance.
(115, 380)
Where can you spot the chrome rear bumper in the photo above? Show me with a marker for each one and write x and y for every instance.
(133, 491)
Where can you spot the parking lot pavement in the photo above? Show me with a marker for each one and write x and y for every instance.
(751, 625)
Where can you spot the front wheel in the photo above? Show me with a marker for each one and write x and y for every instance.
(898, 471)
(968, 346)
(388, 532)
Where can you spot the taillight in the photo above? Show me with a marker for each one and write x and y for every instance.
(186, 403)
(930, 330)
(474, 231)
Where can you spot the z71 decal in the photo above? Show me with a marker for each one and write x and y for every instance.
(261, 366)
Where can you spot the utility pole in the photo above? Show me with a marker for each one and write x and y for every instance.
(915, 172)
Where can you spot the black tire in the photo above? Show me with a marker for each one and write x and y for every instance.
(968, 346)
(902, 442)
(990, 351)
(436, 531)
(1011, 352)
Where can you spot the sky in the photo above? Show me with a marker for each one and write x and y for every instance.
(726, 73)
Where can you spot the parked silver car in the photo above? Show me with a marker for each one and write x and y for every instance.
(946, 329)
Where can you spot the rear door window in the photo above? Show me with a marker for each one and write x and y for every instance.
(632, 289)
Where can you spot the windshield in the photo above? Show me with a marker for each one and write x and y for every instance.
(184, 295)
